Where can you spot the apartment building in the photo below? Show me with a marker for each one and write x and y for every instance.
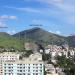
(27, 66)
(11, 65)
(7, 56)
(23, 68)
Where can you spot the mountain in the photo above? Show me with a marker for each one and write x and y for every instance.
(4, 34)
(71, 40)
(37, 35)
(41, 36)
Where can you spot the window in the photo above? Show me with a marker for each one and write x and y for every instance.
(9, 67)
(4, 73)
(23, 73)
(4, 64)
(9, 74)
(9, 64)
(41, 64)
(40, 70)
(28, 74)
(24, 67)
(36, 67)
(33, 70)
(28, 67)
(20, 70)
(36, 70)
(36, 73)
(9, 70)
(5, 70)
(28, 70)
(20, 64)
(23, 70)
(20, 67)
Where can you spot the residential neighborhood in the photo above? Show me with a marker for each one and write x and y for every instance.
(11, 64)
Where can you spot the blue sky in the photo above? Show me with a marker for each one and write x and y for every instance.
(56, 16)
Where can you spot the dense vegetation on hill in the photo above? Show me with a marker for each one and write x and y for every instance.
(7, 41)
(71, 40)
(35, 34)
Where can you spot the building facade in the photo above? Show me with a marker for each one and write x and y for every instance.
(23, 68)
(11, 65)
(7, 56)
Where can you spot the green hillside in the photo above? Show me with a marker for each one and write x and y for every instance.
(7, 41)
(38, 35)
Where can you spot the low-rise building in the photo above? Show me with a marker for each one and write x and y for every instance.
(49, 68)
(8, 56)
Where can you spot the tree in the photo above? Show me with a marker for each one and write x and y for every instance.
(67, 64)
(46, 57)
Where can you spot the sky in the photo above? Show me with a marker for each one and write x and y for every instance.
(56, 16)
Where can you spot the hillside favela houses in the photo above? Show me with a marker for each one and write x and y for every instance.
(55, 50)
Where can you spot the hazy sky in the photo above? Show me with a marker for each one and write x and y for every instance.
(57, 16)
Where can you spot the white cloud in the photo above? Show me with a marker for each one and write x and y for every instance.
(5, 18)
(25, 9)
(46, 1)
(2, 25)
(70, 19)
(11, 32)
(57, 9)
(56, 32)
(64, 9)
(38, 21)
(59, 33)
(13, 17)
(8, 17)
(29, 10)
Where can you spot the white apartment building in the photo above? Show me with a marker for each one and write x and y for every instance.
(23, 68)
(32, 65)
(7, 56)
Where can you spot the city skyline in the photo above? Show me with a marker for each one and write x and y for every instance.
(56, 16)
